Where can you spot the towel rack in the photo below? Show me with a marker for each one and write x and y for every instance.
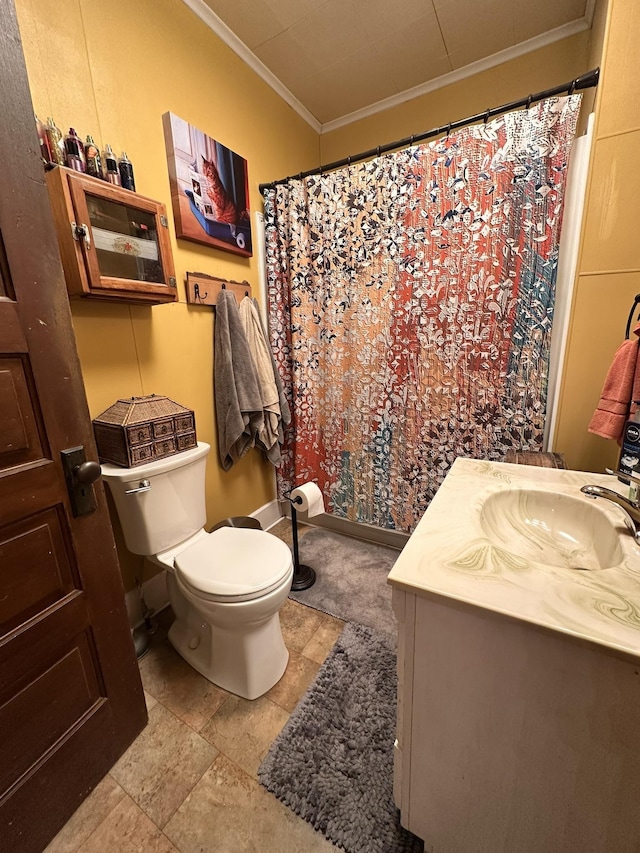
(636, 302)
(203, 289)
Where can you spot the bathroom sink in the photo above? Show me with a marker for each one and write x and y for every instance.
(551, 528)
(523, 541)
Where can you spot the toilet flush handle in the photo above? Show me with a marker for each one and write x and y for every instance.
(144, 486)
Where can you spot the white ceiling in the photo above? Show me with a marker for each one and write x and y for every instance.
(337, 60)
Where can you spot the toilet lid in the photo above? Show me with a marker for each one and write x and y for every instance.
(234, 561)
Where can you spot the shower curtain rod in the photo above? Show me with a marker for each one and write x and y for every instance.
(585, 81)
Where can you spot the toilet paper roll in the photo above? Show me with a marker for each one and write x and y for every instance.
(311, 500)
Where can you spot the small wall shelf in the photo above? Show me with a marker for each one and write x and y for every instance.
(114, 243)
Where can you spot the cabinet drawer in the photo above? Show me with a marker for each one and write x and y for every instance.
(140, 453)
(163, 427)
(139, 434)
(186, 440)
(165, 446)
(184, 423)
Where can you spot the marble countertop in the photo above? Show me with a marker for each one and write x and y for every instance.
(449, 555)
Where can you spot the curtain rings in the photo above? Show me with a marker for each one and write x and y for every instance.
(529, 99)
(448, 128)
(378, 151)
(572, 87)
(486, 116)
(411, 141)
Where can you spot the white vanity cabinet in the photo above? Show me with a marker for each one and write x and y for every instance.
(518, 729)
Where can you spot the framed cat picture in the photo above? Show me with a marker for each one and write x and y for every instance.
(209, 188)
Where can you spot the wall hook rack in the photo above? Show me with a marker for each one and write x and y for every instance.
(203, 289)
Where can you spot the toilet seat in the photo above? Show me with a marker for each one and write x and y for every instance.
(233, 564)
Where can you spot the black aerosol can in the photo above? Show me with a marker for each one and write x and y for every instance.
(126, 172)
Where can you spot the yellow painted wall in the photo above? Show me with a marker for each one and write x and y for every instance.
(541, 69)
(112, 70)
(609, 263)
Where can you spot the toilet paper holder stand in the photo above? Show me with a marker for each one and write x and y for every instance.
(303, 576)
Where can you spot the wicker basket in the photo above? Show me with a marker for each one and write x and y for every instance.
(140, 429)
(531, 457)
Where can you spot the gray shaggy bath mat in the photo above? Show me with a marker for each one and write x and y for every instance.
(332, 763)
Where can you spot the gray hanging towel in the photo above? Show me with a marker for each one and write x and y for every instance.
(238, 402)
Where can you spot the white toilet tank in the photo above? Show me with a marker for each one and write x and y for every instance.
(169, 511)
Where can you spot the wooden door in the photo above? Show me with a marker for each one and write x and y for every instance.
(71, 700)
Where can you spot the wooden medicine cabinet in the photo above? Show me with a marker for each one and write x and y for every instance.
(114, 243)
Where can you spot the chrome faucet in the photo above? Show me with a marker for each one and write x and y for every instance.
(630, 509)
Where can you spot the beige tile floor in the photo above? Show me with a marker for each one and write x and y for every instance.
(189, 781)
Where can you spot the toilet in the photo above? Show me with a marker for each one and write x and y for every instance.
(226, 587)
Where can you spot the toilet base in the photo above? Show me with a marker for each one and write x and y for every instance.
(236, 645)
(246, 662)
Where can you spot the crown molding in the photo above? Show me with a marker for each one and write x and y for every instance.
(509, 53)
(209, 17)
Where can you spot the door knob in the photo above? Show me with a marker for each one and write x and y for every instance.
(86, 473)
(79, 474)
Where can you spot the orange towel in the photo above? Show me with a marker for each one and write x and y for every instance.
(621, 388)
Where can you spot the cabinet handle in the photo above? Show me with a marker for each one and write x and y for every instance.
(81, 232)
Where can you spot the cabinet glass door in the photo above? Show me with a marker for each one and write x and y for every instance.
(125, 240)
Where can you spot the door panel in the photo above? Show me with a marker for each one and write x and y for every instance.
(61, 695)
(19, 438)
(70, 694)
(35, 568)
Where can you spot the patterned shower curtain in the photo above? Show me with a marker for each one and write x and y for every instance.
(411, 301)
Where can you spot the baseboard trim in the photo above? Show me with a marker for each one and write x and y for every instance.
(268, 514)
(356, 529)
